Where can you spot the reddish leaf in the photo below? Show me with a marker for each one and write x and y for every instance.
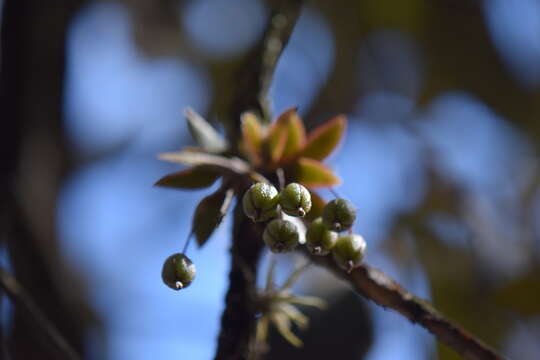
(317, 206)
(252, 135)
(209, 214)
(197, 177)
(277, 140)
(312, 173)
(324, 139)
(296, 134)
(290, 126)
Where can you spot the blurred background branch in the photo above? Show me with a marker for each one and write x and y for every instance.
(20, 298)
(34, 147)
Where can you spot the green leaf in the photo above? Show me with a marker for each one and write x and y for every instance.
(324, 139)
(205, 135)
(209, 214)
(221, 163)
(197, 177)
(312, 173)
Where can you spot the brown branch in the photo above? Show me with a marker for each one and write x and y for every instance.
(22, 300)
(376, 286)
(238, 320)
(252, 84)
(255, 75)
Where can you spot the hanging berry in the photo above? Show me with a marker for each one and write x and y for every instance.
(178, 271)
(339, 215)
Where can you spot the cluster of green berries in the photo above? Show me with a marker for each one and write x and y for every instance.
(322, 236)
(262, 202)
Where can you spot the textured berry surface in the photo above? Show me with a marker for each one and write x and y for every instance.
(178, 271)
(295, 200)
(349, 251)
(281, 236)
(260, 201)
(319, 239)
(339, 215)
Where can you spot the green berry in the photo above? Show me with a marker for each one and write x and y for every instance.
(295, 200)
(178, 271)
(260, 202)
(320, 240)
(349, 251)
(281, 236)
(339, 215)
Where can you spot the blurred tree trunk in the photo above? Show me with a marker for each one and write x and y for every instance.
(33, 162)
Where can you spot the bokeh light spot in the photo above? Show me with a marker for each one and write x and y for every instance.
(223, 28)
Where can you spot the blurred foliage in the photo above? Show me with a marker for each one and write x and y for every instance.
(521, 294)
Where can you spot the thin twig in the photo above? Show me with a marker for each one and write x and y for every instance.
(376, 286)
(20, 297)
(187, 242)
(334, 192)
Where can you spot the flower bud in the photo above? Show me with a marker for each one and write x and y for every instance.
(281, 236)
(339, 215)
(320, 240)
(349, 251)
(178, 271)
(260, 202)
(295, 200)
